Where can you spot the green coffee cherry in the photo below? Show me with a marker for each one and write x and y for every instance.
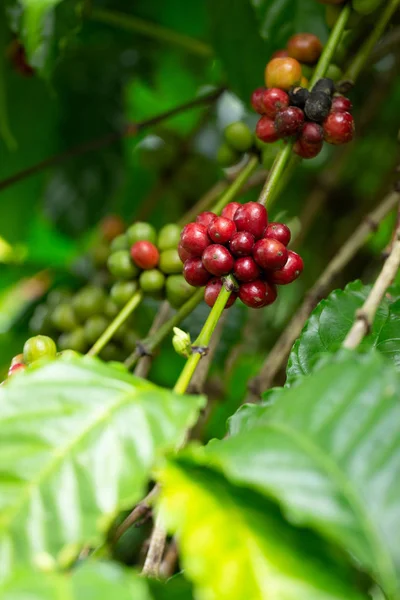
(129, 341)
(73, 340)
(110, 308)
(122, 291)
(39, 347)
(89, 301)
(69, 354)
(94, 327)
(63, 317)
(169, 237)
(334, 72)
(226, 156)
(307, 70)
(152, 281)
(239, 136)
(120, 243)
(170, 262)
(141, 231)
(178, 290)
(57, 297)
(111, 352)
(99, 254)
(182, 343)
(366, 7)
(120, 265)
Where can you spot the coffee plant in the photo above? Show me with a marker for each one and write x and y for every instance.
(161, 162)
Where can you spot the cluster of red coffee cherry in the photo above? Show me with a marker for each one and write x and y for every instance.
(242, 243)
(288, 109)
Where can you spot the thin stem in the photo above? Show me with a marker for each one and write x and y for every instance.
(155, 553)
(202, 341)
(130, 129)
(362, 56)
(156, 32)
(236, 185)
(138, 513)
(274, 181)
(116, 323)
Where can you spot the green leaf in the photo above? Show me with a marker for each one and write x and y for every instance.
(234, 34)
(329, 452)
(248, 414)
(78, 441)
(280, 19)
(234, 544)
(330, 322)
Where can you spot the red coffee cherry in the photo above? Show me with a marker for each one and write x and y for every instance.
(257, 294)
(256, 100)
(242, 243)
(194, 239)
(274, 100)
(265, 130)
(305, 47)
(17, 367)
(270, 254)
(212, 290)
(310, 141)
(338, 128)
(205, 218)
(230, 210)
(305, 150)
(252, 217)
(282, 73)
(221, 230)
(145, 254)
(280, 54)
(291, 271)
(289, 121)
(217, 260)
(183, 254)
(341, 104)
(195, 273)
(245, 269)
(278, 231)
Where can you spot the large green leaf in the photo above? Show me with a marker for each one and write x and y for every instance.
(330, 322)
(235, 37)
(328, 450)
(100, 580)
(77, 442)
(234, 544)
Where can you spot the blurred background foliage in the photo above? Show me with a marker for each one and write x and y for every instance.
(97, 65)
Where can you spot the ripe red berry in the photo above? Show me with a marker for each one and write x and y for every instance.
(265, 130)
(242, 243)
(230, 210)
(205, 218)
(278, 231)
(338, 128)
(305, 150)
(221, 230)
(194, 239)
(305, 47)
(195, 273)
(341, 104)
(292, 269)
(252, 217)
(310, 141)
(289, 121)
(145, 254)
(245, 269)
(15, 368)
(257, 294)
(280, 54)
(274, 100)
(270, 254)
(256, 100)
(217, 260)
(212, 291)
(183, 254)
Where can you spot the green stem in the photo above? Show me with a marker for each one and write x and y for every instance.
(116, 324)
(203, 339)
(236, 185)
(157, 32)
(362, 56)
(274, 179)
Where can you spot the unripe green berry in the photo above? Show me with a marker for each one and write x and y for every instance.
(73, 340)
(169, 237)
(56, 297)
(182, 343)
(122, 291)
(120, 243)
(334, 72)
(152, 281)
(63, 317)
(239, 136)
(111, 309)
(170, 262)
(89, 301)
(178, 291)
(121, 266)
(94, 327)
(39, 347)
(226, 156)
(111, 352)
(141, 231)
